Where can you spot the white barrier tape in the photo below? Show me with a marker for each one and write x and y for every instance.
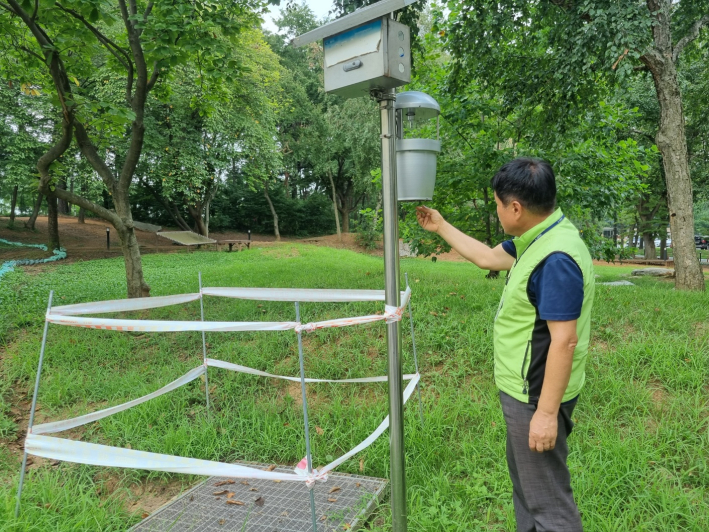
(339, 322)
(59, 426)
(301, 295)
(109, 324)
(243, 369)
(372, 437)
(255, 294)
(391, 315)
(123, 305)
(170, 326)
(102, 455)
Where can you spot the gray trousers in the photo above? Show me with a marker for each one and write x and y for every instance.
(541, 484)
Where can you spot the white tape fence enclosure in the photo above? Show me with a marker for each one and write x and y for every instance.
(39, 442)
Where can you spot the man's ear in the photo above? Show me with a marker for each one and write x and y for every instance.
(516, 208)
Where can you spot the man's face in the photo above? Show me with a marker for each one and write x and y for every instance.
(507, 215)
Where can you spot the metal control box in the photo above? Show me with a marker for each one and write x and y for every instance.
(374, 55)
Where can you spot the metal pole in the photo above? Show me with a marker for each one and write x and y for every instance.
(108, 238)
(413, 345)
(204, 342)
(308, 455)
(34, 403)
(392, 297)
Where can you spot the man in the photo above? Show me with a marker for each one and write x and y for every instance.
(541, 335)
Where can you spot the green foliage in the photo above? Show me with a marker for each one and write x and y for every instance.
(22, 127)
(239, 208)
(701, 218)
(554, 53)
(199, 131)
(599, 166)
(369, 228)
(563, 57)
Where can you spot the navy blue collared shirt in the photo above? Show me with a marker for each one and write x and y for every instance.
(555, 287)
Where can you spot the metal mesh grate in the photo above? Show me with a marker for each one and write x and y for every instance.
(283, 506)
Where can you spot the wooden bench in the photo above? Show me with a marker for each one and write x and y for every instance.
(240, 244)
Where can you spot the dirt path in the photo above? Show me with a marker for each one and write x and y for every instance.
(88, 241)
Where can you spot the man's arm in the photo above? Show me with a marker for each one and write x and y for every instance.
(543, 427)
(481, 255)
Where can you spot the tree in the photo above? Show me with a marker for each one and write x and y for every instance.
(327, 143)
(349, 152)
(301, 122)
(79, 43)
(555, 52)
(24, 123)
(199, 130)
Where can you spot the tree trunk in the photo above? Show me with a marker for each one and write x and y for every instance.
(52, 222)
(196, 214)
(649, 246)
(663, 248)
(206, 218)
(71, 189)
(345, 211)
(137, 287)
(273, 213)
(82, 210)
(62, 205)
(636, 235)
(170, 207)
(175, 213)
(488, 228)
(135, 281)
(672, 143)
(375, 218)
(334, 205)
(646, 227)
(13, 204)
(43, 165)
(29, 224)
(208, 197)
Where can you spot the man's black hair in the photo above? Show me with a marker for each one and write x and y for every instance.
(529, 181)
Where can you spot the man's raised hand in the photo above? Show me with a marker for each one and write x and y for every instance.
(429, 219)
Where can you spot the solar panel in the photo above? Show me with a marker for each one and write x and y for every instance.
(186, 238)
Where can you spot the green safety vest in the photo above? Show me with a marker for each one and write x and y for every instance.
(521, 337)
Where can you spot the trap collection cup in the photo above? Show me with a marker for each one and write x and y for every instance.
(416, 157)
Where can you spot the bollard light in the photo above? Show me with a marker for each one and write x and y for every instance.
(108, 238)
(416, 157)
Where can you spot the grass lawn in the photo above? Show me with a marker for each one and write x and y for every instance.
(639, 458)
